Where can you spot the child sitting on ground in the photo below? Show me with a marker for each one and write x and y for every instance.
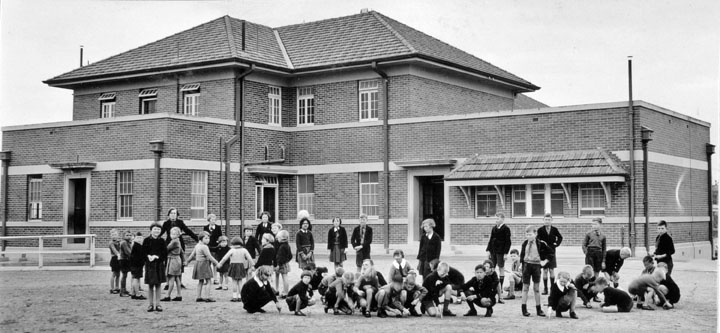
(562, 296)
(412, 293)
(300, 296)
(515, 275)
(389, 298)
(480, 291)
(615, 300)
(584, 283)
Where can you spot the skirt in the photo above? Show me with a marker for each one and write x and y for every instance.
(202, 270)
(174, 266)
(224, 268)
(283, 269)
(237, 271)
(302, 262)
(337, 255)
(155, 272)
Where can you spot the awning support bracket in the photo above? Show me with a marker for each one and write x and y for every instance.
(606, 188)
(466, 192)
(501, 194)
(566, 189)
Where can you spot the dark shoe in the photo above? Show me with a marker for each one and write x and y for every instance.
(647, 307)
(182, 286)
(509, 296)
(382, 314)
(544, 292)
(489, 312)
(325, 308)
(218, 288)
(151, 308)
(125, 294)
(448, 314)
(414, 313)
(209, 300)
(165, 299)
(335, 312)
(366, 313)
(573, 315)
(261, 311)
(299, 313)
(500, 301)
(216, 282)
(233, 300)
(558, 314)
(422, 308)
(470, 313)
(539, 311)
(177, 299)
(158, 308)
(166, 287)
(525, 311)
(199, 300)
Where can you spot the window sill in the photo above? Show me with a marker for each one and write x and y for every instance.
(369, 119)
(305, 125)
(274, 124)
(125, 220)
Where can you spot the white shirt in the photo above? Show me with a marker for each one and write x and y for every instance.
(260, 283)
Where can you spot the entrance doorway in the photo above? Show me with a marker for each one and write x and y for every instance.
(266, 195)
(76, 215)
(432, 203)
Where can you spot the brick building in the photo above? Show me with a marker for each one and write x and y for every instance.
(350, 115)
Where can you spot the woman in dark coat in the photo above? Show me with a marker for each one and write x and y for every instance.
(430, 246)
(337, 243)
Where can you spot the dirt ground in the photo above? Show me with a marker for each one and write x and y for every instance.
(70, 301)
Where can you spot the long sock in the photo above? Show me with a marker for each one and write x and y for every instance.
(545, 283)
(502, 280)
(446, 303)
(552, 281)
(471, 305)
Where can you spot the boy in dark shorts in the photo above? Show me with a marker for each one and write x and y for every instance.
(300, 295)
(648, 283)
(499, 246)
(562, 297)
(594, 246)
(480, 291)
(124, 261)
(614, 260)
(534, 254)
(137, 261)
(412, 293)
(553, 238)
(615, 300)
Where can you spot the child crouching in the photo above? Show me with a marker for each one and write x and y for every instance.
(300, 295)
(480, 291)
(412, 293)
(562, 296)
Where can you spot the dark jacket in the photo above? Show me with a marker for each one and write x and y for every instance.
(302, 290)
(617, 297)
(252, 246)
(664, 245)
(263, 230)
(673, 295)
(556, 295)
(553, 238)
(613, 261)
(156, 247)
(543, 250)
(303, 240)
(214, 235)
(183, 230)
(283, 255)
(484, 288)
(137, 256)
(580, 282)
(266, 258)
(429, 248)
(355, 240)
(430, 283)
(499, 240)
(342, 238)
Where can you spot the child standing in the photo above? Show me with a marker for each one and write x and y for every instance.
(114, 262)
(267, 254)
(155, 252)
(240, 262)
(124, 260)
(615, 300)
(250, 243)
(562, 296)
(174, 266)
(304, 244)
(552, 237)
(664, 246)
(515, 281)
(137, 261)
(480, 291)
(584, 282)
(337, 243)
(220, 251)
(300, 296)
(282, 261)
(499, 246)
(594, 246)
(203, 271)
(400, 267)
(533, 256)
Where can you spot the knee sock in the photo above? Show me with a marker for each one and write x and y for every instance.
(502, 280)
(552, 281)
(545, 283)
(471, 305)
(446, 303)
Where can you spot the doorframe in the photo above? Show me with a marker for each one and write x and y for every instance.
(263, 184)
(71, 175)
(414, 199)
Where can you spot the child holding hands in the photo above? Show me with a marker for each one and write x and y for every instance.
(240, 261)
(174, 264)
(203, 271)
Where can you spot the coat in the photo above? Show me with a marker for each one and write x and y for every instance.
(214, 235)
(553, 238)
(499, 240)
(343, 238)
(543, 250)
(183, 230)
(355, 240)
(429, 248)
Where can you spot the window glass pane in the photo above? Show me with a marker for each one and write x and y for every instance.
(198, 195)
(369, 193)
(556, 203)
(538, 200)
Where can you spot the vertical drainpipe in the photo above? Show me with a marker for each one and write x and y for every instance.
(5, 158)
(709, 151)
(386, 158)
(157, 147)
(633, 234)
(239, 83)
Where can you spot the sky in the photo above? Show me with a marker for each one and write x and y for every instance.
(576, 51)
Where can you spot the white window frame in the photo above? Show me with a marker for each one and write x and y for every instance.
(35, 198)
(275, 106)
(125, 189)
(306, 200)
(368, 110)
(595, 187)
(262, 183)
(107, 109)
(547, 200)
(198, 194)
(515, 200)
(369, 195)
(191, 103)
(143, 106)
(485, 191)
(305, 95)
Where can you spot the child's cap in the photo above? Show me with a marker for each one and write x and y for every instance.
(306, 273)
(236, 241)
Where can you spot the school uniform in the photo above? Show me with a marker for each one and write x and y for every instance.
(552, 238)
(594, 247)
(413, 291)
(361, 236)
(399, 271)
(316, 279)
(282, 258)
(664, 245)
(215, 232)
(617, 297)
(337, 243)
(124, 258)
(483, 288)
(252, 246)
(561, 297)
(585, 294)
(304, 291)
(429, 253)
(255, 294)
(304, 245)
(137, 260)
(220, 253)
(266, 257)
(114, 247)
(499, 244)
(613, 261)
(155, 270)
(392, 298)
(430, 283)
(673, 295)
(263, 228)
(531, 254)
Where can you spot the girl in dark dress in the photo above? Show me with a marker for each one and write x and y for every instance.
(337, 243)
(155, 252)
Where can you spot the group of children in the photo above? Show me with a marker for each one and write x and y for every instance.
(249, 267)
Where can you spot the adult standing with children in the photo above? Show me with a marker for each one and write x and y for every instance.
(172, 222)
(550, 235)
(360, 240)
(430, 247)
(499, 246)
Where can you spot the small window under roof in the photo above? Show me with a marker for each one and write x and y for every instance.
(190, 87)
(148, 93)
(107, 96)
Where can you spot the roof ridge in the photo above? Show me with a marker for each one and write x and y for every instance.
(397, 34)
(282, 48)
(609, 158)
(231, 39)
(323, 20)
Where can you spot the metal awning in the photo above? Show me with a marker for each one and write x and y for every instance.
(425, 163)
(148, 93)
(107, 96)
(190, 87)
(271, 170)
(74, 165)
